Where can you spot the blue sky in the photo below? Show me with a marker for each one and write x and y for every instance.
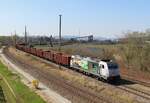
(106, 18)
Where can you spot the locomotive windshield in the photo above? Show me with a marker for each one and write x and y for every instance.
(112, 66)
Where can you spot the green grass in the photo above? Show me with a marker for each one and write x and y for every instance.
(23, 93)
(8, 96)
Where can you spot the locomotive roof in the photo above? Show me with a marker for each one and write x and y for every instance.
(93, 59)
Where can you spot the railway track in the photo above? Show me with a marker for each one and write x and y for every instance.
(74, 91)
(93, 97)
(134, 91)
(137, 81)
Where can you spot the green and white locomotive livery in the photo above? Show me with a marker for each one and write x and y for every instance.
(104, 69)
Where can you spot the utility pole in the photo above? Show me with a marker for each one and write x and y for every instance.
(25, 38)
(51, 41)
(12, 38)
(15, 38)
(60, 36)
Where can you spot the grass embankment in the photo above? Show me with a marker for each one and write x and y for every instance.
(8, 95)
(23, 93)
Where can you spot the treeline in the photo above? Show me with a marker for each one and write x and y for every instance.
(6, 40)
(136, 50)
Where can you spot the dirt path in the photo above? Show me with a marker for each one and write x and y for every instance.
(46, 93)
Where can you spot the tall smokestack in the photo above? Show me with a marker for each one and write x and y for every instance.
(25, 35)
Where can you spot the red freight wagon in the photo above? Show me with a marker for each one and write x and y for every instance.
(65, 60)
(25, 49)
(20, 47)
(28, 49)
(51, 56)
(57, 57)
(33, 51)
(39, 52)
(46, 54)
(17, 46)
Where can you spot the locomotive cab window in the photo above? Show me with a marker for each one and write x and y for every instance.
(102, 66)
(112, 66)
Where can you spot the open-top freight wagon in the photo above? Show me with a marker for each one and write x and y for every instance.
(39, 53)
(33, 51)
(46, 55)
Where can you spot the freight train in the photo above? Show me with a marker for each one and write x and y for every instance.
(107, 70)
